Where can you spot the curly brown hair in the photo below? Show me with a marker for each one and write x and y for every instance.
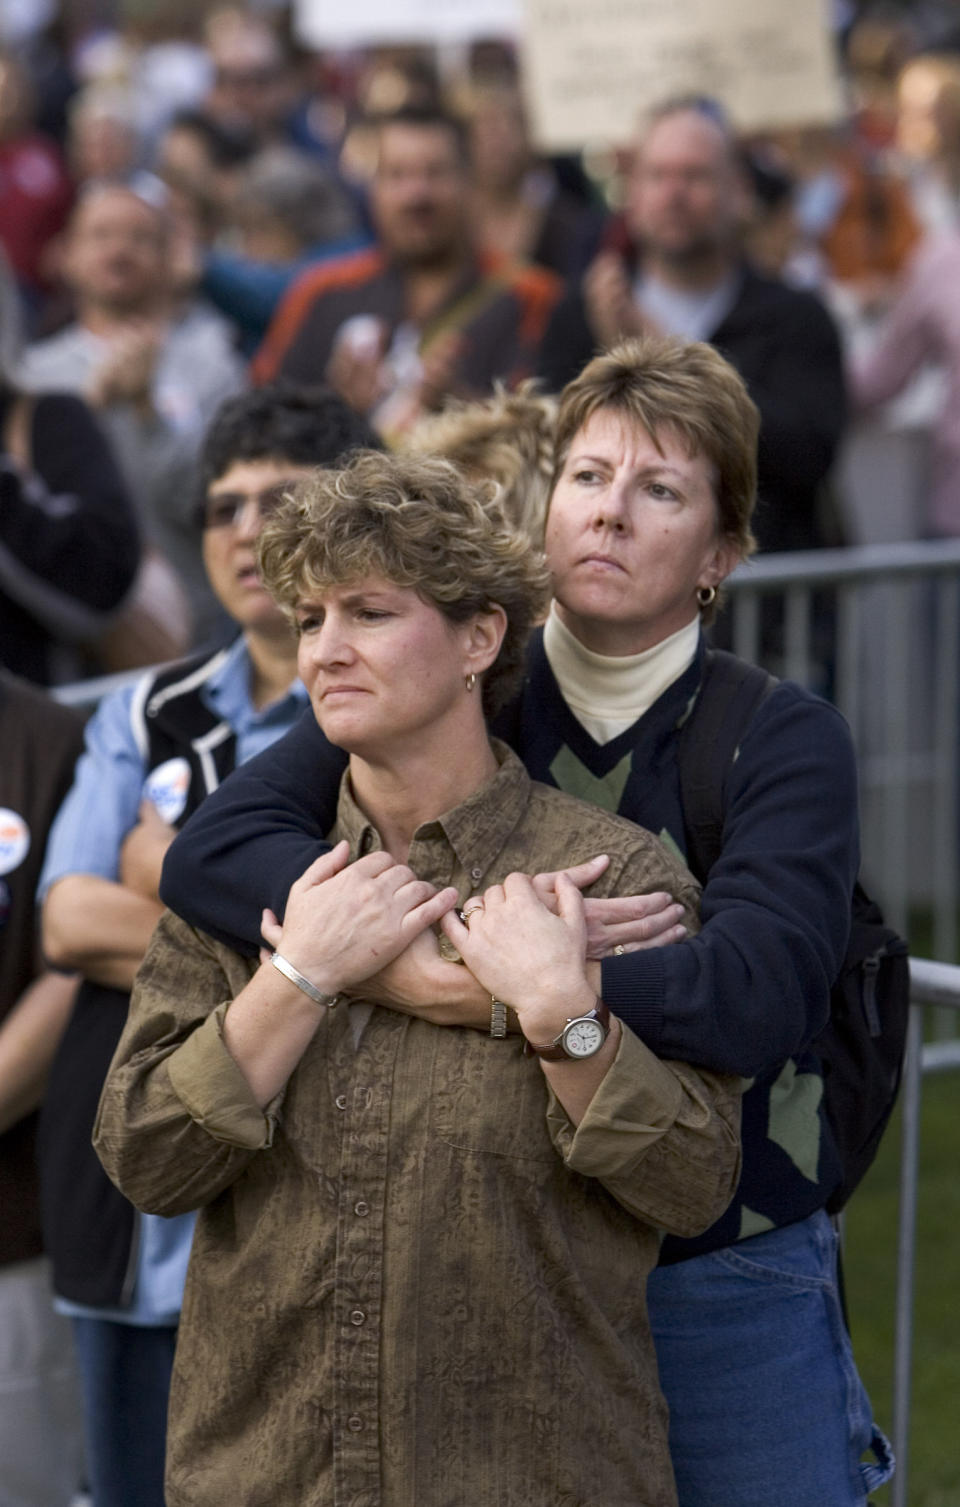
(419, 523)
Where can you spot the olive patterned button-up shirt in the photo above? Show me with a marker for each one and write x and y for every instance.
(414, 1282)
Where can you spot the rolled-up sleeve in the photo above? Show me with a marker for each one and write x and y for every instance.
(177, 1122)
(662, 1137)
(213, 1090)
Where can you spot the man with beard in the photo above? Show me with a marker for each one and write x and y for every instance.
(154, 371)
(395, 328)
(673, 264)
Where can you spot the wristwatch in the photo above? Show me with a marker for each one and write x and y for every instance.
(581, 1037)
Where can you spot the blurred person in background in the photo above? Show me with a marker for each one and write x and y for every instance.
(103, 140)
(928, 137)
(152, 753)
(255, 84)
(771, 232)
(875, 46)
(152, 47)
(35, 189)
(518, 208)
(30, 29)
(855, 225)
(40, 1430)
(675, 263)
(288, 213)
(69, 542)
(201, 162)
(922, 328)
(154, 372)
(422, 314)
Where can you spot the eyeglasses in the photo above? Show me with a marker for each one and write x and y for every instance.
(225, 509)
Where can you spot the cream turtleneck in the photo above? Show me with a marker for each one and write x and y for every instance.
(607, 695)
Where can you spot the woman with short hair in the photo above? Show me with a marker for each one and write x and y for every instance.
(418, 1268)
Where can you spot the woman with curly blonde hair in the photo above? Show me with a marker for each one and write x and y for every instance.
(420, 1249)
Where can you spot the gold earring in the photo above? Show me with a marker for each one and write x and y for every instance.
(470, 681)
(706, 595)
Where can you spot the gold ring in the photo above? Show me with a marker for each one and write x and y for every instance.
(619, 950)
(468, 911)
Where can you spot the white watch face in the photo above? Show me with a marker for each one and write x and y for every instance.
(583, 1038)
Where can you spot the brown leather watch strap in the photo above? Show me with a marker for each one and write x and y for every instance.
(553, 1051)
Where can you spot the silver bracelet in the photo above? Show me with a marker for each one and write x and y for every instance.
(498, 1017)
(327, 1001)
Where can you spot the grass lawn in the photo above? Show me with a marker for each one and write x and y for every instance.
(871, 1236)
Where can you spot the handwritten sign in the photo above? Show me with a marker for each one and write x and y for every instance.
(592, 68)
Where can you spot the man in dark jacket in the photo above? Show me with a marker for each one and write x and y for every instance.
(674, 264)
(422, 314)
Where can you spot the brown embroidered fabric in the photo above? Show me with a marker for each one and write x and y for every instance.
(413, 1280)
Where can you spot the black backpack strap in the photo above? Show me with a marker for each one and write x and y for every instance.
(731, 691)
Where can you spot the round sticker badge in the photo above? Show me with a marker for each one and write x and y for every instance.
(14, 840)
(167, 787)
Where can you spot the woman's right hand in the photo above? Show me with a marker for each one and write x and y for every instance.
(345, 921)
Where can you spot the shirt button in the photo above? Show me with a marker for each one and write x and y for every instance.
(358, 1317)
(361, 1208)
(354, 1424)
(341, 1101)
(476, 874)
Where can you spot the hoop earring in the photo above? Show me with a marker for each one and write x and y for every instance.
(706, 595)
(470, 681)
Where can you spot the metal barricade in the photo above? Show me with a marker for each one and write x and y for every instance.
(85, 694)
(930, 984)
(894, 634)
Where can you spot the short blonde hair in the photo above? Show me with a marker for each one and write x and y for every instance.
(419, 523)
(507, 438)
(680, 387)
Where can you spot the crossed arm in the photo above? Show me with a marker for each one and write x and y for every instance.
(346, 922)
(197, 1087)
(104, 857)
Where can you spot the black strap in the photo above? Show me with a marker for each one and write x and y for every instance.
(731, 691)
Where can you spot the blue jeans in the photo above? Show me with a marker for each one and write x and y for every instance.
(756, 1365)
(125, 1382)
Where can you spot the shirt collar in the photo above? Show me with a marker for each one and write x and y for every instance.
(476, 830)
(227, 692)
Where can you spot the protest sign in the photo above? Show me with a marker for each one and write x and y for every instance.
(593, 66)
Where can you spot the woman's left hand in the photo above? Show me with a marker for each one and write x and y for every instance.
(617, 924)
(632, 923)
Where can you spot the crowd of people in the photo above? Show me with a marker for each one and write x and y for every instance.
(414, 1126)
(190, 205)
